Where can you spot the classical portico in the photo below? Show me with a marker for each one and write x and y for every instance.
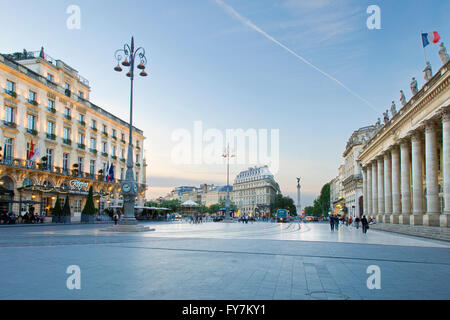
(406, 164)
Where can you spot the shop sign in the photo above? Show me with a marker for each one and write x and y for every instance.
(78, 184)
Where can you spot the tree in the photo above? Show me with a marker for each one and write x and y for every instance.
(56, 211)
(321, 204)
(282, 202)
(87, 215)
(66, 211)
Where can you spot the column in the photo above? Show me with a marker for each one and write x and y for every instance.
(374, 212)
(380, 182)
(445, 216)
(431, 218)
(417, 179)
(364, 173)
(405, 181)
(369, 189)
(387, 187)
(396, 199)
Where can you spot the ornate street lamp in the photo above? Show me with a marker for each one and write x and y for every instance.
(129, 187)
(227, 203)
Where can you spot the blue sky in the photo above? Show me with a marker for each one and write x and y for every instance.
(206, 65)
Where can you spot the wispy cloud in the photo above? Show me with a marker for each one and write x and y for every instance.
(251, 25)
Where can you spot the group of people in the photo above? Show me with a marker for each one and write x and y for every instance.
(335, 220)
(24, 217)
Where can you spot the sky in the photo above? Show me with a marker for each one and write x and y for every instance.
(310, 70)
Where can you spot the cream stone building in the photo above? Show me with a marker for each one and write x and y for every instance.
(254, 191)
(45, 102)
(216, 195)
(406, 165)
(337, 202)
(352, 180)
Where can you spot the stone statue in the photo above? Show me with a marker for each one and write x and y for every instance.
(413, 86)
(385, 117)
(428, 72)
(298, 182)
(378, 124)
(443, 53)
(393, 109)
(402, 98)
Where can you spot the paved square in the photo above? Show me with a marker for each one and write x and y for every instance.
(220, 261)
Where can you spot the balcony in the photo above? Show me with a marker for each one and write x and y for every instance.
(123, 141)
(105, 133)
(114, 137)
(44, 167)
(105, 154)
(94, 129)
(68, 117)
(52, 110)
(94, 151)
(10, 124)
(122, 159)
(33, 102)
(81, 146)
(138, 164)
(82, 123)
(67, 141)
(114, 157)
(32, 132)
(67, 93)
(12, 93)
(51, 136)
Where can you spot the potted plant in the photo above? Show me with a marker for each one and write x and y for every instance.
(65, 214)
(88, 213)
(56, 212)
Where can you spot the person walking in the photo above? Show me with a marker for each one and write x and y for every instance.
(336, 223)
(365, 224)
(332, 222)
(357, 220)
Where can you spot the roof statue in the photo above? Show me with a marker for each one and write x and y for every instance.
(428, 73)
(443, 53)
(413, 86)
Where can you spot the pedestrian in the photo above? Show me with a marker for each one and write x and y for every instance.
(336, 223)
(115, 218)
(332, 222)
(365, 224)
(357, 222)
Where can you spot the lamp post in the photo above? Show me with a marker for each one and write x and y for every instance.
(129, 187)
(227, 203)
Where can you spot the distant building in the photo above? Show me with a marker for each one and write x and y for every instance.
(254, 191)
(352, 183)
(337, 201)
(216, 195)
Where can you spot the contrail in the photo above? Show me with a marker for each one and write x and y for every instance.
(250, 24)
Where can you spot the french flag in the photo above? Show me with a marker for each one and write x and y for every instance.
(431, 37)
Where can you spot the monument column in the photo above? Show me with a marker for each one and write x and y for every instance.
(387, 187)
(374, 212)
(380, 167)
(431, 218)
(396, 199)
(417, 179)
(445, 216)
(369, 190)
(405, 181)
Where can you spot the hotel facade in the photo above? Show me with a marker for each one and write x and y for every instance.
(406, 165)
(254, 192)
(45, 104)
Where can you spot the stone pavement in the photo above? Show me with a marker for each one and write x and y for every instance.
(221, 261)
(436, 233)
